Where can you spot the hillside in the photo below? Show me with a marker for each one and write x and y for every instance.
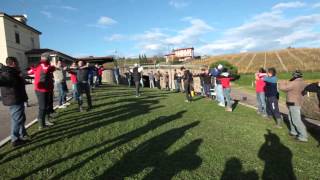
(305, 59)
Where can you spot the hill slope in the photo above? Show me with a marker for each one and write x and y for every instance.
(305, 59)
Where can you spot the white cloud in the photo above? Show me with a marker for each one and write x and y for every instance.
(268, 30)
(287, 5)
(160, 40)
(317, 5)
(70, 8)
(46, 13)
(115, 37)
(178, 3)
(106, 21)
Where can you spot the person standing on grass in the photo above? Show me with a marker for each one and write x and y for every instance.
(82, 72)
(216, 72)
(166, 81)
(60, 80)
(116, 74)
(187, 80)
(206, 82)
(151, 79)
(44, 85)
(272, 96)
(136, 78)
(74, 81)
(14, 95)
(179, 79)
(100, 73)
(294, 89)
(140, 69)
(129, 78)
(158, 79)
(225, 79)
(260, 92)
(175, 77)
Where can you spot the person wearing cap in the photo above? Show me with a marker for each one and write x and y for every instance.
(260, 92)
(225, 79)
(14, 95)
(216, 72)
(43, 86)
(294, 88)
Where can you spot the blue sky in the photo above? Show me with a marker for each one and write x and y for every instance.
(130, 27)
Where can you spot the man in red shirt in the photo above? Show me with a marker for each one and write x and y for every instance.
(43, 86)
(74, 81)
(225, 82)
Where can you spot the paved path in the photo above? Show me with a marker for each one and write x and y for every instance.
(31, 112)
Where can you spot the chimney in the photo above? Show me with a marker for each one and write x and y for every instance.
(22, 18)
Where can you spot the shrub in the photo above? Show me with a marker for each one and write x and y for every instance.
(233, 70)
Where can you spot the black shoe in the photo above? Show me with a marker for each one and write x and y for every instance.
(18, 142)
(25, 138)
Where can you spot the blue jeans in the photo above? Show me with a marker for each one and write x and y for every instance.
(129, 82)
(296, 125)
(62, 93)
(261, 100)
(226, 93)
(18, 119)
(206, 89)
(75, 91)
(219, 92)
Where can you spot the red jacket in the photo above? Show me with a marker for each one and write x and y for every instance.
(100, 71)
(225, 81)
(43, 77)
(260, 86)
(73, 77)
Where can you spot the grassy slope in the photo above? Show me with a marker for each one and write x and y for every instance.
(158, 136)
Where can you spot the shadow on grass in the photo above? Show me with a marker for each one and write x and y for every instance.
(277, 158)
(83, 123)
(234, 170)
(152, 154)
(120, 140)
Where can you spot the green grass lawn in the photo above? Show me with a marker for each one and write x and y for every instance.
(159, 136)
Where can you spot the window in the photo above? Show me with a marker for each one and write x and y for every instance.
(17, 37)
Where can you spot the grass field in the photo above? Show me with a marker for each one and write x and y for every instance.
(159, 136)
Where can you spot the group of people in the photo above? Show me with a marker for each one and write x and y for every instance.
(47, 76)
(267, 86)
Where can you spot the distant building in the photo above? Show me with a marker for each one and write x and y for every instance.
(182, 54)
(33, 56)
(16, 38)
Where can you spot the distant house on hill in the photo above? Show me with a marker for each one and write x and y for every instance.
(182, 54)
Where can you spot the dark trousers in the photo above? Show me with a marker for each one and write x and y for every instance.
(84, 88)
(50, 103)
(273, 107)
(43, 102)
(187, 90)
(137, 83)
(158, 84)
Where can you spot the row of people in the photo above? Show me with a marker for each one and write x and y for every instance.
(46, 76)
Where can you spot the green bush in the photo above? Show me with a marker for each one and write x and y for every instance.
(233, 70)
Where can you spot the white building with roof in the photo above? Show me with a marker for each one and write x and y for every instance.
(16, 38)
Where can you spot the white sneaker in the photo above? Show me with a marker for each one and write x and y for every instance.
(62, 107)
(221, 104)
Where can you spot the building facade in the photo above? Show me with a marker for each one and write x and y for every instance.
(182, 54)
(16, 38)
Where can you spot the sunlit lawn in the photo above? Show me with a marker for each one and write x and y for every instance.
(159, 136)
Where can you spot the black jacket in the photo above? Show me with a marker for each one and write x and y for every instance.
(136, 75)
(13, 90)
(82, 74)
